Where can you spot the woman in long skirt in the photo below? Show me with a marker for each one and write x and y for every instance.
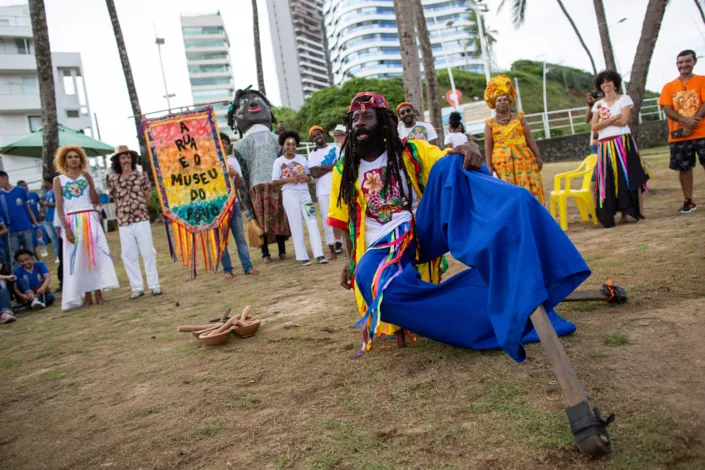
(620, 175)
(88, 266)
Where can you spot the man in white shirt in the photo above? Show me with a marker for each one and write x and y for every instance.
(321, 162)
(411, 129)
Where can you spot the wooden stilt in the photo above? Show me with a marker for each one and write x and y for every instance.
(586, 296)
(598, 443)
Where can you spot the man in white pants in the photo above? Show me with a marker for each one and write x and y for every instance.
(321, 162)
(131, 192)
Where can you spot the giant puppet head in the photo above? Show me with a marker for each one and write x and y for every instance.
(249, 107)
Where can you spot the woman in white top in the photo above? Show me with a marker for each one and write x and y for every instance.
(87, 264)
(619, 176)
(456, 135)
(290, 171)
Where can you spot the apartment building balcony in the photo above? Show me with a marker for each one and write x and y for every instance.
(10, 102)
(18, 62)
(205, 50)
(223, 74)
(15, 27)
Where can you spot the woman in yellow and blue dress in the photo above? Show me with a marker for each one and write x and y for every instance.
(510, 149)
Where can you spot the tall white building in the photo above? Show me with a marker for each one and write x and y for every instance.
(300, 49)
(20, 106)
(208, 59)
(363, 39)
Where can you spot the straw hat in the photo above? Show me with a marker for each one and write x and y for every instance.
(339, 129)
(120, 149)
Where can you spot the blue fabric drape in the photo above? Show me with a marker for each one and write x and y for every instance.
(519, 259)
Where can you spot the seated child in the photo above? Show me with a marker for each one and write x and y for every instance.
(33, 280)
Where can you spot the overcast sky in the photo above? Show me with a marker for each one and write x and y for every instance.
(84, 26)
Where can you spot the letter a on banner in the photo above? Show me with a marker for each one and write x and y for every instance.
(196, 194)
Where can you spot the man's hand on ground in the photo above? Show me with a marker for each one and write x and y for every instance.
(472, 158)
(346, 278)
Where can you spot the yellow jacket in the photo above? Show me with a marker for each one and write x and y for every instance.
(419, 157)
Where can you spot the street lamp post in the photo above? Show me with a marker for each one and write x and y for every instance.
(483, 39)
(160, 42)
(546, 127)
(454, 95)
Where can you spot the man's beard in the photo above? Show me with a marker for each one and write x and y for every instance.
(374, 140)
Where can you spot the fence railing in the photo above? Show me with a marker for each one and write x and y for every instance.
(551, 124)
(572, 121)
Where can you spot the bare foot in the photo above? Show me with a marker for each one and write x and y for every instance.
(267, 260)
(401, 338)
(283, 257)
(252, 272)
(99, 298)
(88, 301)
(228, 276)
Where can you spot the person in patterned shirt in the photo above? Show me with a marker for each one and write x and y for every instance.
(411, 129)
(131, 192)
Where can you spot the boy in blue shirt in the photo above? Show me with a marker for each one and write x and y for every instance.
(33, 281)
(34, 199)
(15, 207)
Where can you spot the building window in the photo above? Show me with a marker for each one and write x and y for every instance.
(210, 81)
(30, 86)
(35, 123)
(69, 85)
(23, 46)
(72, 113)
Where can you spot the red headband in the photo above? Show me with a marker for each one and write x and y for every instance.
(367, 99)
(404, 103)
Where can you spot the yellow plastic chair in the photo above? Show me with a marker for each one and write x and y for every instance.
(583, 196)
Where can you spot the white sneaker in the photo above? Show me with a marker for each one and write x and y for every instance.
(37, 304)
(57, 261)
(136, 294)
(157, 291)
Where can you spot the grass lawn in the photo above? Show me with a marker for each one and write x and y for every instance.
(117, 387)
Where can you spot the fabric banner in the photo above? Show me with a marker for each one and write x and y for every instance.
(197, 196)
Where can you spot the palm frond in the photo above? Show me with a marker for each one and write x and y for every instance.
(518, 11)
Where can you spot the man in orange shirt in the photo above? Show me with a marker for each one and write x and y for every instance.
(683, 101)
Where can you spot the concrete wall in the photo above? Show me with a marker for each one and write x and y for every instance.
(577, 147)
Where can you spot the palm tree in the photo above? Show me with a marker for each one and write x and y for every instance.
(655, 10)
(519, 11)
(258, 48)
(409, 53)
(130, 82)
(607, 51)
(45, 77)
(490, 34)
(699, 4)
(429, 68)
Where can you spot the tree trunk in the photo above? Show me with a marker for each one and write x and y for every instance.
(45, 77)
(409, 53)
(258, 48)
(644, 52)
(698, 3)
(429, 68)
(131, 89)
(580, 38)
(602, 26)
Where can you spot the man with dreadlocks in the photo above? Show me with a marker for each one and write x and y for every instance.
(407, 204)
(250, 113)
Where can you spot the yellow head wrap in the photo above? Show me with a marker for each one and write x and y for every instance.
(498, 86)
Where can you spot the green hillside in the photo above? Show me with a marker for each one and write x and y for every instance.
(566, 88)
